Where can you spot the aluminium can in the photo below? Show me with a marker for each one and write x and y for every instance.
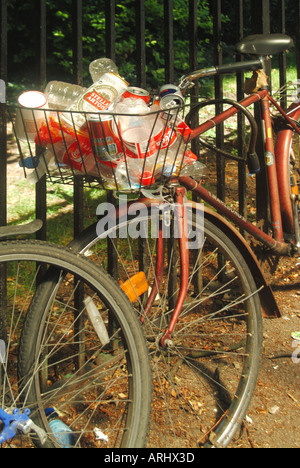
(137, 93)
(170, 96)
(106, 145)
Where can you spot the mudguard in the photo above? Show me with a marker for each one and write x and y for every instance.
(268, 302)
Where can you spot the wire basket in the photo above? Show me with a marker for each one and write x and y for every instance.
(122, 152)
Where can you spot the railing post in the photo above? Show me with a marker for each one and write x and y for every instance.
(110, 27)
(193, 60)
(41, 186)
(282, 57)
(218, 59)
(169, 40)
(3, 164)
(140, 42)
(241, 118)
(78, 78)
(110, 32)
(298, 38)
(261, 25)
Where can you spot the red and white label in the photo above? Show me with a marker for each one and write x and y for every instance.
(97, 101)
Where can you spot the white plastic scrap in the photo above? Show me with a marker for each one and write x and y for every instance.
(99, 435)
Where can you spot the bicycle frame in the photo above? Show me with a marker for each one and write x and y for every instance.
(277, 243)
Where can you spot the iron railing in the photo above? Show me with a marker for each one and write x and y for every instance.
(264, 19)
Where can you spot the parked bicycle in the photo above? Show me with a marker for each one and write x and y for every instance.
(193, 279)
(75, 372)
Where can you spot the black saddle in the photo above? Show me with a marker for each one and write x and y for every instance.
(265, 44)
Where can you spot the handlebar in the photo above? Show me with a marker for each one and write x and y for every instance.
(229, 68)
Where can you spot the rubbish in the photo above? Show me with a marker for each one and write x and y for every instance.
(98, 67)
(249, 420)
(274, 410)
(99, 435)
(97, 98)
(109, 131)
(136, 93)
(61, 95)
(170, 96)
(295, 335)
(30, 115)
(62, 433)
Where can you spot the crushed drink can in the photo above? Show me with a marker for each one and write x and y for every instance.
(170, 96)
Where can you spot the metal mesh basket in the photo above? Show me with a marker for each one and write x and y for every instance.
(123, 152)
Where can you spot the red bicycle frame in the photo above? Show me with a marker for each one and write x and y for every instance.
(276, 243)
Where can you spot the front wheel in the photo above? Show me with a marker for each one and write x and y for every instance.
(204, 379)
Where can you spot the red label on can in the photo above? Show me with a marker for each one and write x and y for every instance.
(105, 143)
(99, 102)
(137, 93)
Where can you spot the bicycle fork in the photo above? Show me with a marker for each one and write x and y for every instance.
(180, 219)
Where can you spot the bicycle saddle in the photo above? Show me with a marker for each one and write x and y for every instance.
(265, 44)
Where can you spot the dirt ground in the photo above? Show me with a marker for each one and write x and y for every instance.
(273, 418)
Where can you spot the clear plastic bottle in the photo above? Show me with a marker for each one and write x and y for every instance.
(61, 95)
(63, 434)
(100, 66)
(132, 174)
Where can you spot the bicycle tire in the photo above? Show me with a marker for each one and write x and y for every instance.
(105, 384)
(165, 427)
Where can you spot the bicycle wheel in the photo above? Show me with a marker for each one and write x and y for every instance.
(76, 356)
(204, 381)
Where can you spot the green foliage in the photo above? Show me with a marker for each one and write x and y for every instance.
(23, 40)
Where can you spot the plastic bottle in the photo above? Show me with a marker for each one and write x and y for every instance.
(131, 174)
(61, 95)
(99, 97)
(100, 66)
(194, 169)
(132, 113)
(63, 434)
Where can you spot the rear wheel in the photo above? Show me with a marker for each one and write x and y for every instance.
(83, 362)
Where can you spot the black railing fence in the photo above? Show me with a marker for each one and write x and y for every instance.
(244, 17)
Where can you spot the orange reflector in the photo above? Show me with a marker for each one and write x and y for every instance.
(295, 189)
(135, 286)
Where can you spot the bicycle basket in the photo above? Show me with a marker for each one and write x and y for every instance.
(123, 152)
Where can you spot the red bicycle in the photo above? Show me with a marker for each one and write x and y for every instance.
(191, 276)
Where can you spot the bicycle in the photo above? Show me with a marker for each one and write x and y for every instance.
(200, 304)
(75, 372)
